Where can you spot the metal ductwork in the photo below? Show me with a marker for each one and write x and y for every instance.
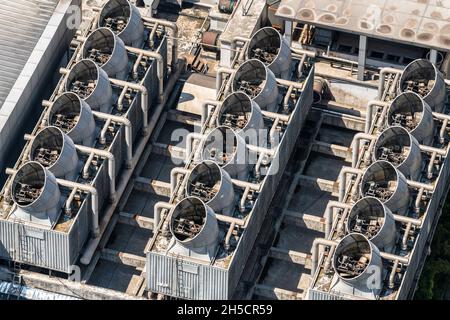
(371, 218)
(422, 77)
(124, 19)
(397, 146)
(228, 150)
(269, 46)
(243, 115)
(91, 83)
(212, 185)
(74, 117)
(357, 262)
(194, 226)
(108, 51)
(258, 82)
(36, 193)
(55, 151)
(384, 182)
(410, 111)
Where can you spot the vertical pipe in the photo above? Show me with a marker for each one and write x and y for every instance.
(204, 109)
(369, 112)
(159, 206)
(329, 214)
(174, 177)
(189, 143)
(315, 252)
(356, 145)
(343, 180)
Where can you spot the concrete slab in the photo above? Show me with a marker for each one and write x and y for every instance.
(342, 137)
(324, 166)
(196, 90)
(174, 133)
(129, 239)
(309, 201)
(283, 274)
(295, 238)
(113, 276)
(158, 167)
(142, 203)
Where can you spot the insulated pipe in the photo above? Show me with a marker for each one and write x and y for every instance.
(392, 275)
(136, 66)
(87, 165)
(121, 97)
(315, 251)
(243, 199)
(111, 165)
(432, 150)
(46, 104)
(257, 149)
(445, 118)
(273, 130)
(152, 35)
(343, 180)
(329, 259)
(241, 56)
(369, 112)
(219, 77)
(144, 99)
(356, 145)
(205, 110)
(94, 199)
(244, 184)
(102, 138)
(258, 164)
(419, 185)
(159, 207)
(190, 141)
(70, 200)
(441, 116)
(393, 257)
(301, 65)
(329, 214)
(228, 219)
(382, 84)
(174, 177)
(431, 165)
(173, 26)
(228, 236)
(274, 116)
(418, 200)
(404, 219)
(289, 83)
(406, 236)
(286, 98)
(159, 68)
(311, 54)
(128, 132)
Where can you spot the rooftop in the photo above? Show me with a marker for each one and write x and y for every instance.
(420, 22)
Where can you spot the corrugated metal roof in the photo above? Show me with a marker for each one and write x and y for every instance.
(23, 22)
